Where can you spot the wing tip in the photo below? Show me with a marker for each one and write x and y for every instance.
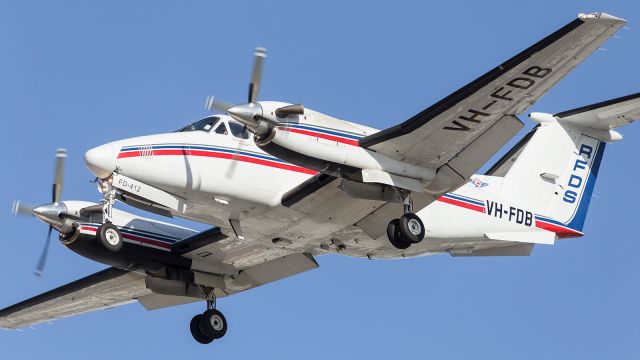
(600, 16)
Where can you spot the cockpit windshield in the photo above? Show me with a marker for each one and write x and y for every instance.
(201, 125)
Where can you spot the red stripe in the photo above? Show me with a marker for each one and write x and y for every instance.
(559, 230)
(128, 154)
(461, 204)
(221, 155)
(321, 135)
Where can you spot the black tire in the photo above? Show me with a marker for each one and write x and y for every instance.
(110, 237)
(411, 228)
(213, 324)
(196, 332)
(395, 238)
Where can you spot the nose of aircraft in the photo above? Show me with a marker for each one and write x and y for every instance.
(101, 160)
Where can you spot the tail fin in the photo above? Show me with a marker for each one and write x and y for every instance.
(555, 168)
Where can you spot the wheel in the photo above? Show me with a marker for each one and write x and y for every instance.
(197, 334)
(395, 238)
(110, 237)
(411, 227)
(213, 324)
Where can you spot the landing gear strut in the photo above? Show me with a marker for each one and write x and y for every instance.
(209, 325)
(108, 234)
(109, 194)
(406, 230)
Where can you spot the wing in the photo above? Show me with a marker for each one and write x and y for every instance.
(459, 133)
(463, 131)
(104, 289)
(113, 287)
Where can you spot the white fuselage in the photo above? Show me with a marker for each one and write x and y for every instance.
(216, 176)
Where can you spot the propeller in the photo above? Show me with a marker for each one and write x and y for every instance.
(49, 213)
(250, 114)
(213, 103)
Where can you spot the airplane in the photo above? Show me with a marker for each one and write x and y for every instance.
(282, 184)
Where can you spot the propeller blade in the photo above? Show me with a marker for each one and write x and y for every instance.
(43, 256)
(215, 104)
(58, 179)
(21, 209)
(254, 86)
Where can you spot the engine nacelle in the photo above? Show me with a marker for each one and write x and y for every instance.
(329, 145)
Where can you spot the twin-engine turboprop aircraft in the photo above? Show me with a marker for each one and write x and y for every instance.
(283, 184)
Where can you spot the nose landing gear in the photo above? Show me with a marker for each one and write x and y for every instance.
(209, 325)
(108, 234)
(408, 229)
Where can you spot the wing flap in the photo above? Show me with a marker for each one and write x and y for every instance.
(159, 301)
(467, 161)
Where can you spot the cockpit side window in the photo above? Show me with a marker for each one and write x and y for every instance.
(201, 125)
(238, 130)
(222, 129)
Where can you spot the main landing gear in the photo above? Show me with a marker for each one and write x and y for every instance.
(209, 325)
(406, 230)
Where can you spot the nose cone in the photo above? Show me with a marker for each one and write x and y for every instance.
(50, 213)
(246, 114)
(101, 160)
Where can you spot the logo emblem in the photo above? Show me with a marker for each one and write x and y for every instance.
(478, 183)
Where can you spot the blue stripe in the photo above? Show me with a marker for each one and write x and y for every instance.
(321, 130)
(204, 148)
(577, 222)
(465, 199)
(236, 151)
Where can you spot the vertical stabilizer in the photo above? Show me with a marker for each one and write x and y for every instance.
(554, 174)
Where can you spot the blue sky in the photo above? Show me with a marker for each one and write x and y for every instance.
(77, 74)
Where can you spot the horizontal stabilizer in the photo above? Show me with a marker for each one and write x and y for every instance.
(530, 237)
(604, 115)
